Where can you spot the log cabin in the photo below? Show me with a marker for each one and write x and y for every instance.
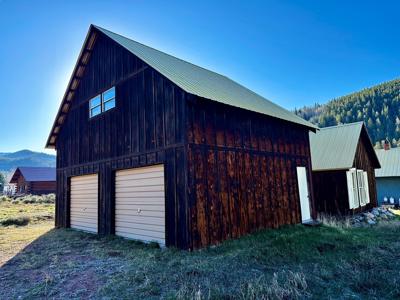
(154, 148)
(343, 169)
(34, 180)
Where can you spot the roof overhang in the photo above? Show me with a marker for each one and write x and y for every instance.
(14, 177)
(73, 84)
(377, 164)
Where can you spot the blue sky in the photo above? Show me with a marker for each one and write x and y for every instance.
(294, 53)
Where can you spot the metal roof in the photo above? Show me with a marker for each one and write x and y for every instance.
(34, 174)
(199, 81)
(390, 163)
(204, 83)
(334, 148)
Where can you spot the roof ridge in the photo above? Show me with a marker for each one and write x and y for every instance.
(343, 125)
(185, 61)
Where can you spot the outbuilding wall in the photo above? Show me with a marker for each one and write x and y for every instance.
(388, 187)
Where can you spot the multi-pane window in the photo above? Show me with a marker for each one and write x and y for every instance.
(95, 106)
(101, 103)
(108, 99)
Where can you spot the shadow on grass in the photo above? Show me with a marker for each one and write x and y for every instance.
(286, 263)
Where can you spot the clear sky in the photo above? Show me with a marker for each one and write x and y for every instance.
(294, 53)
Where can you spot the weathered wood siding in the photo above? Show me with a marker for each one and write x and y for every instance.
(42, 187)
(330, 192)
(241, 171)
(363, 161)
(145, 128)
(330, 187)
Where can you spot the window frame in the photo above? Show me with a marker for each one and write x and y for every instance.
(102, 102)
(93, 107)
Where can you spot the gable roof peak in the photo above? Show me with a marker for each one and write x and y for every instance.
(191, 78)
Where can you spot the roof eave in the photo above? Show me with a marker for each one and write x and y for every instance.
(51, 140)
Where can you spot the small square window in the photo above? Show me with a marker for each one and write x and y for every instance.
(101, 103)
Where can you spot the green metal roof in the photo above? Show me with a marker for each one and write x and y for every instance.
(334, 148)
(204, 83)
(390, 163)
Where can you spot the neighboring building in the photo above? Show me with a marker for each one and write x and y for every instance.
(154, 148)
(34, 180)
(388, 176)
(343, 164)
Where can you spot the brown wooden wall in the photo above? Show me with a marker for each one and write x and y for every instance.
(364, 161)
(145, 128)
(330, 192)
(241, 171)
(35, 187)
(42, 187)
(330, 187)
(22, 183)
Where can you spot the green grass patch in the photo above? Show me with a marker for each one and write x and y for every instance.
(293, 262)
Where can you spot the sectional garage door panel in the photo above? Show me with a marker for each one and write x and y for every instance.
(140, 204)
(84, 203)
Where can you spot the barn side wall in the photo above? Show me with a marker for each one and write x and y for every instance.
(363, 161)
(241, 171)
(42, 187)
(330, 192)
(145, 128)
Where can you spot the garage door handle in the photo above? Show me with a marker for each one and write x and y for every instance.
(139, 210)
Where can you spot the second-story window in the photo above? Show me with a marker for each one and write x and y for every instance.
(102, 102)
(108, 99)
(95, 106)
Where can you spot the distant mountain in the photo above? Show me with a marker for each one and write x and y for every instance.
(377, 106)
(25, 158)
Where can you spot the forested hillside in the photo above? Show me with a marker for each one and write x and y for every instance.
(378, 107)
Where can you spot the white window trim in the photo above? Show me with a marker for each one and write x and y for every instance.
(102, 103)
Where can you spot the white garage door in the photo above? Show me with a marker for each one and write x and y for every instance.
(84, 202)
(140, 204)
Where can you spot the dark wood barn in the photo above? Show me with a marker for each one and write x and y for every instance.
(152, 147)
(343, 164)
(34, 180)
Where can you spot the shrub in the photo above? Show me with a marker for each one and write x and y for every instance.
(18, 221)
(4, 198)
(32, 199)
